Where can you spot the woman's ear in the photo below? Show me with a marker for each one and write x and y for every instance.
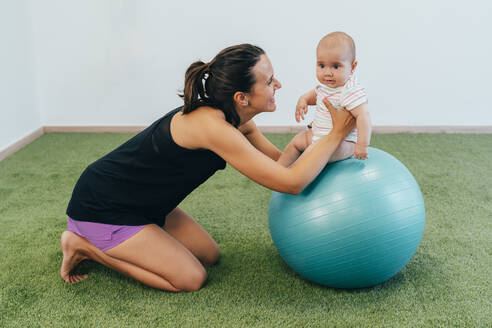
(241, 98)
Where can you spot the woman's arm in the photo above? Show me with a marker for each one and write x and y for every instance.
(230, 144)
(259, 141)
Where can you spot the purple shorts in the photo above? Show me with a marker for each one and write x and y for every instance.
(103, 236)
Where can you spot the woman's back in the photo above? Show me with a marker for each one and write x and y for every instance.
(142, 180)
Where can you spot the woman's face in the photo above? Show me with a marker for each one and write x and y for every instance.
(262, 95)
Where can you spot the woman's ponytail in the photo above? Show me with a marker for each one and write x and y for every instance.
(194, 92)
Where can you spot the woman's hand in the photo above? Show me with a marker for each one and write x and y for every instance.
(343, 121)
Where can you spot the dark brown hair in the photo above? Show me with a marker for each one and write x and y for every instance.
(215, 83)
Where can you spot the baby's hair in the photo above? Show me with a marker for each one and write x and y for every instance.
(340, 38)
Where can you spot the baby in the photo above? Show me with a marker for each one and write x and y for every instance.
(335, 71)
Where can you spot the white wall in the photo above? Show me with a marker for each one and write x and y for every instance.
(121, 62)
(19, 115)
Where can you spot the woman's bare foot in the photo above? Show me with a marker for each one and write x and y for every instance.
(73, 254)
(86, 263)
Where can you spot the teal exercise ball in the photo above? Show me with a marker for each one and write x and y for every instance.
(356, 225)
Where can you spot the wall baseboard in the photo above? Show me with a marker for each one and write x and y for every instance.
(93, 129)
(452, 129)
(265, 129)
(382, 129)
(21, 143)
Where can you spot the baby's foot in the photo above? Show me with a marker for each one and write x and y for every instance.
(71, 245)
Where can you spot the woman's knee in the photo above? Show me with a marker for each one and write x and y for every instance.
(192, 280)
(212, 255)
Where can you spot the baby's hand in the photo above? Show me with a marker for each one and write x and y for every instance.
(301, 109)
(360, 151)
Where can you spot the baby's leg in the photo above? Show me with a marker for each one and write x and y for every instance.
(344, 151)
(295, 148)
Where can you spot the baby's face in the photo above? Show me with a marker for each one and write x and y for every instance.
(333, 66)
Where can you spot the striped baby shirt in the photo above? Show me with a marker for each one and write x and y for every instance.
(348, 96)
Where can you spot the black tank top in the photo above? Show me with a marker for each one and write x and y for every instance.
(143, 180)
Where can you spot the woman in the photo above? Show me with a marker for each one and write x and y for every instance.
(123, 212)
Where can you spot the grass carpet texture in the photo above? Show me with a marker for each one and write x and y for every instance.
(446, 284)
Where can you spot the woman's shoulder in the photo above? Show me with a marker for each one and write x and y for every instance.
(192, 130)
(205, 113)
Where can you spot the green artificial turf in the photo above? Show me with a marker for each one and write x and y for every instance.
(446, 284)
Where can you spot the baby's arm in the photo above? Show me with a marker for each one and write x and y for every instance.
(307, 99)
(364, 130)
